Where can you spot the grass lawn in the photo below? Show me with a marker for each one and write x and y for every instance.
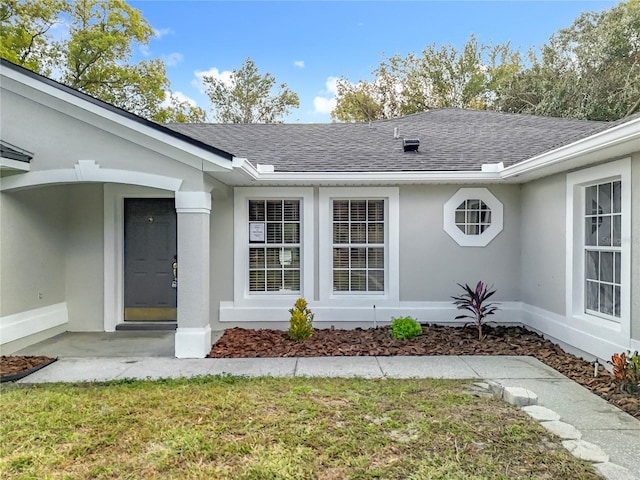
(273, 428)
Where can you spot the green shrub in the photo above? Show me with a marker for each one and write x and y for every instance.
(301, 322)
(405, 327)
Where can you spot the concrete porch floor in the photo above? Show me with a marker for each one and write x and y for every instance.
(137, 343)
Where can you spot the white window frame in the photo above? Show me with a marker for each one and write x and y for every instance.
(390, 195)
(449, 217)
(242, 195)
(575, 247)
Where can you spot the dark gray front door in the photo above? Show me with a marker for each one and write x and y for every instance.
(149, 249)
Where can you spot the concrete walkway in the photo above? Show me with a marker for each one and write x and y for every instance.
(581, 418)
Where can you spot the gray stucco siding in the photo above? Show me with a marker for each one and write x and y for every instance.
(33, 226)
(221, 252)
(432, 263)
(85, 257)
(543, 233)
(63, 140)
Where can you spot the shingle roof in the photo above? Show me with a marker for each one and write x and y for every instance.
(450, 140)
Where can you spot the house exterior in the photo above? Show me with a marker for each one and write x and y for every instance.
(366, 221)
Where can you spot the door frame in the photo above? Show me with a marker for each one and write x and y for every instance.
(114, 195)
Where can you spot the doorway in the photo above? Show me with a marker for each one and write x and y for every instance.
(150, 246)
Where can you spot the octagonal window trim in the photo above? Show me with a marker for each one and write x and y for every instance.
(483, 217)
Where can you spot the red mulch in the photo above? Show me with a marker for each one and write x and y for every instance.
(10, 365)
(435, 340)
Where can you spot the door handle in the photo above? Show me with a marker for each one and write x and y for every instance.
(174, 268)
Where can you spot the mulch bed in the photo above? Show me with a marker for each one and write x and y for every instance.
(15, 367)
(435, 340)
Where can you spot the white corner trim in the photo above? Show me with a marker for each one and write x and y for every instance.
(449, 212)
(22, 324)
(86, 171)
(193, 202)
(492, 167)
(193, 342)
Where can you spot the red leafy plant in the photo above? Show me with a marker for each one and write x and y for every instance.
(626, 371)
(475, 301)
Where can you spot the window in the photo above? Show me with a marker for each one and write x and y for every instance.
(358, 245)
(274, 245)
(473, 217)
(603, 248)
(598, 287)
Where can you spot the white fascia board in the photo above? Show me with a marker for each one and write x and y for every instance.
(10, 164)
(117, 124)
(614, 142)
(363, 178)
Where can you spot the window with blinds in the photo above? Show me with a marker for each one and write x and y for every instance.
(274, 246)
(358, 245)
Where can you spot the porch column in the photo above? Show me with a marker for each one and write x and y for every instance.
(193, 335)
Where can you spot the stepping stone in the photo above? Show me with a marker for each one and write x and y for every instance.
(541, 414)
(562, 430)
(585, 451)
(520, 397)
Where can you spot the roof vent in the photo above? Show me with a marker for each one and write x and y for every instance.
(410, 144)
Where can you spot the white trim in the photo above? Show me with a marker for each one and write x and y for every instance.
(193, 202)
(619, 140)
(392, 245)
(11, 164)
(193, 342)
(114, 196)
(364, 315)
(241, 294)
(22, 324)
(88, 171)
(449, 212)
(611, 331)
(580, 333)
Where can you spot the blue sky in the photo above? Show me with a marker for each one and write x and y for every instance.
(307, 44)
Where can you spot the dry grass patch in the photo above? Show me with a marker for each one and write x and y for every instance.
(273, 428)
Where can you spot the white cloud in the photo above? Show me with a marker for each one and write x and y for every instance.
(326, 101)
(144, 50)
(323, 105)
(178, 96)
(172, 59)
(299, 63)
(224, 76)
(162, 32)
(332, 85)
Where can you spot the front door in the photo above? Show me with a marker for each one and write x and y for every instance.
(150, 247)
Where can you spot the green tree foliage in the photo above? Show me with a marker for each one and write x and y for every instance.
(438, 77)
(249, 97)
(91, 51)
(590, 70)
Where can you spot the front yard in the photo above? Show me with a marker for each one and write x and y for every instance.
(273, 428)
